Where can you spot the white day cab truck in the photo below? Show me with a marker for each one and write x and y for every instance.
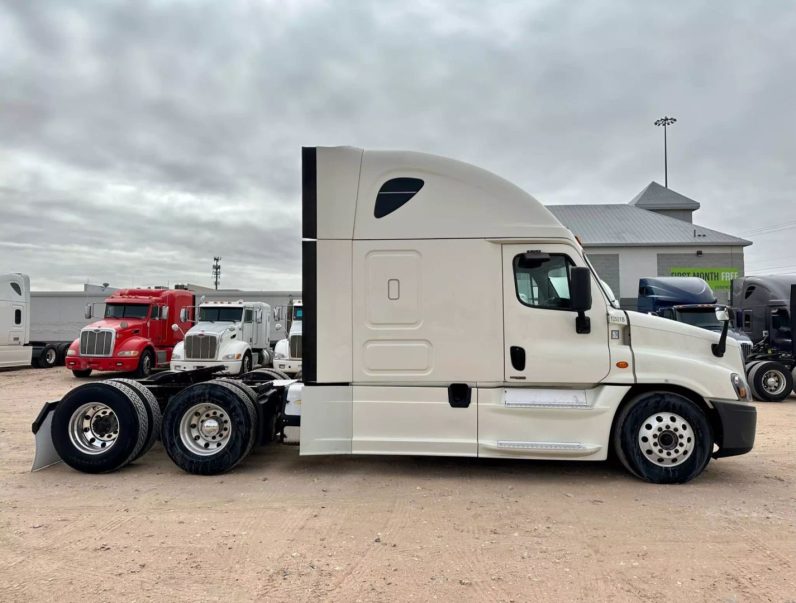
(231, 335)
(287, 352)
(446, 312)
(16, 348)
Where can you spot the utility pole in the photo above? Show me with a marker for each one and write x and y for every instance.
(665, 122)
(216, 271)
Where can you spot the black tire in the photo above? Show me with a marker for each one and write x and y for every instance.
(770, 381)
(749, 368)
(48, 357)
(131, 420)
(82, 374)
(242, 417)
(662, 405)
(153, 413)
(63, 348)
(245, 364)
(162, 376)
(145, 365)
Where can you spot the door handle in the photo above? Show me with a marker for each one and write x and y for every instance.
(517, 357)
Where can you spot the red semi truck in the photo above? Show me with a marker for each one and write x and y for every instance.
(135, 335)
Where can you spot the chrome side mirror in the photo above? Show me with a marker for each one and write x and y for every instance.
(175, 327)
(722, 314)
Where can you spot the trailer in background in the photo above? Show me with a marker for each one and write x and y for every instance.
(16, 347)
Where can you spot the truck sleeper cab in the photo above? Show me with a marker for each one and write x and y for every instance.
(232, 335)
(447, 312)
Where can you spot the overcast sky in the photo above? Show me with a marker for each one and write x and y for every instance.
(139, 139)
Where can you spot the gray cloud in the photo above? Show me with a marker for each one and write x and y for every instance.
(139, 139)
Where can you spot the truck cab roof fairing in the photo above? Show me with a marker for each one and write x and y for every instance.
(457, 200)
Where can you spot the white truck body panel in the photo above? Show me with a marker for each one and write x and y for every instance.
(428, 295)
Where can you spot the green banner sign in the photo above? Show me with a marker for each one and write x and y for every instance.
(717, 278)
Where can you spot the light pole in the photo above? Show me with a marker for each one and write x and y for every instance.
(665, 122)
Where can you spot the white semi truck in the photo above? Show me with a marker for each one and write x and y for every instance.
(446, 312)
(287, 352)
(16, 348)
(233, 335)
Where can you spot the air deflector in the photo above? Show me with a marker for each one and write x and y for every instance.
(395, 193)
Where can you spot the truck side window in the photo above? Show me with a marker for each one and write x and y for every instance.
(17, 289)
(155, 312)
(543, 282)
(747, 320)
(247, 315)
(17, 316)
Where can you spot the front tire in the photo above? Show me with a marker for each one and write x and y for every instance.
(663, 438)
(145, 365)
(245, 364)
(770, 381)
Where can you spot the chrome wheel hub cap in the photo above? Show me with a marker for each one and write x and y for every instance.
(93, 428)
(205, 429)
(666, 439)
(773, 382)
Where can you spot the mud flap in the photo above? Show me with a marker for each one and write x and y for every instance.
(46, 455)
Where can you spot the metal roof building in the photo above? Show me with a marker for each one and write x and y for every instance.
(653, 235)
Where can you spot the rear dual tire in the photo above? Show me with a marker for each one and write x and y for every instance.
(209, 428)
(48, 357)
(100, 427)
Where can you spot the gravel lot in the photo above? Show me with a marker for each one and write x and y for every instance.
(281, 527)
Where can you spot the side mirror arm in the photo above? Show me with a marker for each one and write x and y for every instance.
(721, 347)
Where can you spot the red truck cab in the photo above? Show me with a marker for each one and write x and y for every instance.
(135, 334)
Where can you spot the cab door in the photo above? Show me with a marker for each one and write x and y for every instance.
(248, 325)
(542, 346)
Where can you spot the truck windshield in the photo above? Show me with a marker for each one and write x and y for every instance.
(220, 314)
(126, 310)
(298, 312)
(703, 318)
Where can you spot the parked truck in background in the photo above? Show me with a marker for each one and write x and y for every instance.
(134, 335)
(656, 293)
(16, 348)
(689, 300)
(287, 352)
(765, 309)
(446, 312)
(234, 335)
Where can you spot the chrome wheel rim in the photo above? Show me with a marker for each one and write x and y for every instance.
(205, 429)
(93, 428)
(50, 356)
(666, 439)
(773, 382)
(146, 364)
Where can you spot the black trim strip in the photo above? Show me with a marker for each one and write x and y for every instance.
(309, 325)
(309, 192)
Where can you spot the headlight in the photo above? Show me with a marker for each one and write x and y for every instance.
(279, 356)
(128, 353)
(231, 357)
(741, 389)
(176, 356)
(71, 353)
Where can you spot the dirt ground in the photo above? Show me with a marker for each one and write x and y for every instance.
(281, 527)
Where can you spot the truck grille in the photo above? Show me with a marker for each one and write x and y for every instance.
(295, 346)
(200, 347)
(746, 348)
(96, 342)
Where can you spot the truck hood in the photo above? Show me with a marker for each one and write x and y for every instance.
(117, 324)
(211, 328)
(667, 351)
(640, 320)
